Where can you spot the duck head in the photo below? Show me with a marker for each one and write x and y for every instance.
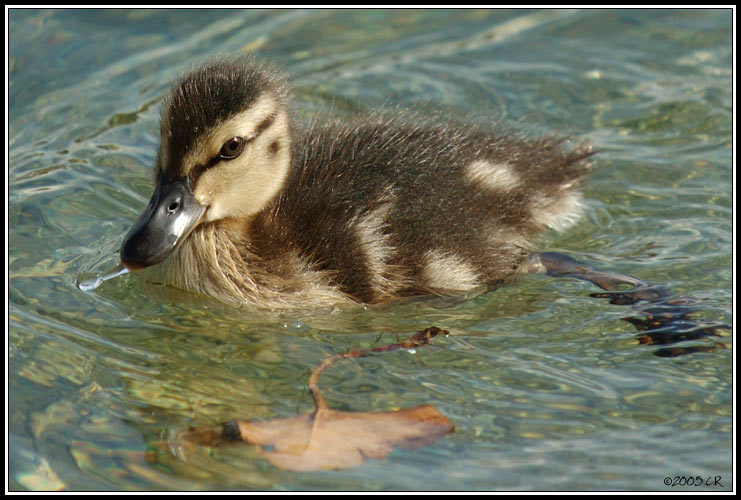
(224, 154)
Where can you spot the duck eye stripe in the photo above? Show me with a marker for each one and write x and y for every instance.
(198, 170)
(213, 161)
(263, 126)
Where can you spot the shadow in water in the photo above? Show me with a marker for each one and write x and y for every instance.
(661, 317)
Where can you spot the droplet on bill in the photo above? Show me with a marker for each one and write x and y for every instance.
(93, 283)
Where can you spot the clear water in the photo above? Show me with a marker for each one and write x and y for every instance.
(547, 387)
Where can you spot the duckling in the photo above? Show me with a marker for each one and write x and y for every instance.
(254, 206)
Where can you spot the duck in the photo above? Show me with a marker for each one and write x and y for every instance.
(255, 205)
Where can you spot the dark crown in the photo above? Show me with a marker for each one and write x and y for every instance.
(210, 95)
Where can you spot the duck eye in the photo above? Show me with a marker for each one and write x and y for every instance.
(232, 148)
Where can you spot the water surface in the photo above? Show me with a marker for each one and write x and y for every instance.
(547, 387)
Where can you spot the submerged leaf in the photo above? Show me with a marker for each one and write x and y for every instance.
(332, 439)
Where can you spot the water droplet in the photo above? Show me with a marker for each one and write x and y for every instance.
(90, 284)
(93, 283)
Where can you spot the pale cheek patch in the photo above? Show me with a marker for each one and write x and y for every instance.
(245, 185)
(558, 213)
(494, 176)
(239, 189)
(448, 272)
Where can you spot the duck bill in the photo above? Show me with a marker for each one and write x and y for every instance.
(171, 215)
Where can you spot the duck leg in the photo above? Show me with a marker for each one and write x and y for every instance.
(663, 320)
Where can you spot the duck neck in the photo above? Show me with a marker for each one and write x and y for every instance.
(210, 263)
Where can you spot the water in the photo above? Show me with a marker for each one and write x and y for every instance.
(546, 386)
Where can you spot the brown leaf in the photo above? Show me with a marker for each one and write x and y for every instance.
(332, 439)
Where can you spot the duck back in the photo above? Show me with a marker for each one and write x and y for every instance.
(394, 206)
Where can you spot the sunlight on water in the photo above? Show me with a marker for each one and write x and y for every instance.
(548, 387)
